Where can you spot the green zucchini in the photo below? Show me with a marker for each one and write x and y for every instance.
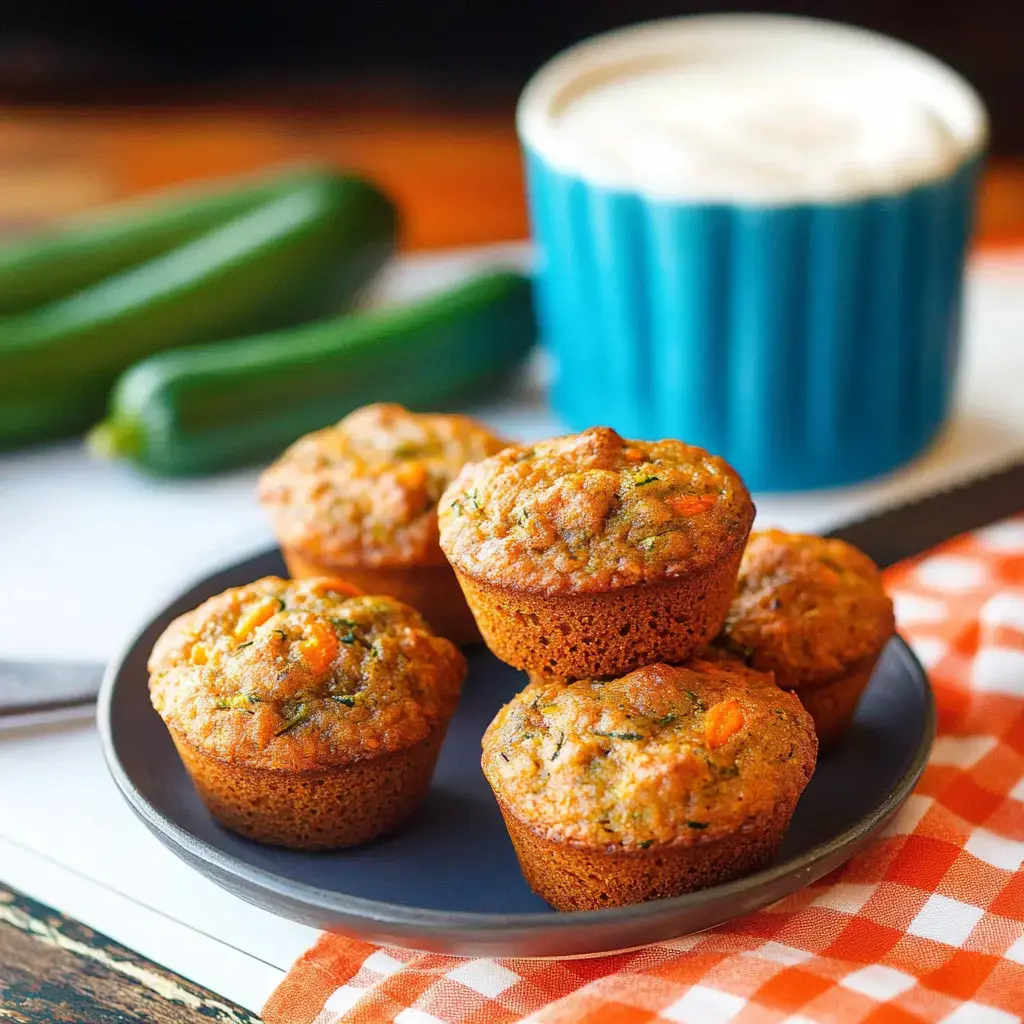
(195, 410)
(53, 263)
(295, 255)
(33, 417)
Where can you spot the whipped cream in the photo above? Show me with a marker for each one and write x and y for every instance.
(786, 111)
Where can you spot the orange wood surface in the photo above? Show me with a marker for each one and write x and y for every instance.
(457, 178)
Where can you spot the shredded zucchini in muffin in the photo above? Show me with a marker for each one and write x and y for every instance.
(365, 490)
(806, 608)
(662, 755)
(302, 674)
(591, 512)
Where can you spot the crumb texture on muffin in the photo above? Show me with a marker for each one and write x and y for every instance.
(807, 608)
(664, 756)
(365, 490)
(302, 675)
(592, 512)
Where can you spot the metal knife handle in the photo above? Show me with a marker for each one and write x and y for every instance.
(35, 687)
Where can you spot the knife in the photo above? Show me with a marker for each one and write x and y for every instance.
(47, 688)
(894, 534)
(34, 688)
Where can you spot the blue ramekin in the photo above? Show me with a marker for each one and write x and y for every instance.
(809, 343)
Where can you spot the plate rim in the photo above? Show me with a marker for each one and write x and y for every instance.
(404, 918)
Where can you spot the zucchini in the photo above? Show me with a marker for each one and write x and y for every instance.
(53, 263)
(195, 410)
(27, 419)
(291, 257)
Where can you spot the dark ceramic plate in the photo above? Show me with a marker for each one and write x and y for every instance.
(449, 880)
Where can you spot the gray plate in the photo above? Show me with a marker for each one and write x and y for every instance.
(449, 880)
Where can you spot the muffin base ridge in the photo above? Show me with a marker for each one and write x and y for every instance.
(319, 809)
(432, 590)
(574, 636)
(832, 702)
(576, 877)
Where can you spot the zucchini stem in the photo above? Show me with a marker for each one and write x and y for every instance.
(113, 439)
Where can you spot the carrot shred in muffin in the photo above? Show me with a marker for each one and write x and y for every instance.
(658, 782)
(813, 611)
(593, 555)
(299, 675)
(806, 608)
(365, 491)
(305, 714)
(359, 500)
(592, 511)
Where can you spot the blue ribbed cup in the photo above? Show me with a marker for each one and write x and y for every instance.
(810, 344)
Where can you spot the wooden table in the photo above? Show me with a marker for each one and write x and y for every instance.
(456, 176)
(54, 969)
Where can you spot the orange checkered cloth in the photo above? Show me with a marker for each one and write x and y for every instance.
(926, 924)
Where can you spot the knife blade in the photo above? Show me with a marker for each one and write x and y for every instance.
(43, 688)
(916, 526)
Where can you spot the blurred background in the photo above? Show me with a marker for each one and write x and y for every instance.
(107, 99)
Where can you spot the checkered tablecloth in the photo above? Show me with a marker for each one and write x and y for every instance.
(926, 924)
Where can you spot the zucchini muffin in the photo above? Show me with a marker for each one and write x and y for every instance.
(812, 611)
(306, 716)
(359, 500)
(592, 555)
(663, 781)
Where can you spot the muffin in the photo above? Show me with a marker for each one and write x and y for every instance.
(590, 555)
(812, 611)
(306, 716)
(663, 781)
(359, 500)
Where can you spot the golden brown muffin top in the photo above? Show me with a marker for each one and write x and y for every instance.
(663, 755)
(299, 675)
(806, 608)
(364, 492)
(592, 512)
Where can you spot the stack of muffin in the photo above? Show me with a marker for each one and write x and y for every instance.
(652, 751)
(631, 768)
